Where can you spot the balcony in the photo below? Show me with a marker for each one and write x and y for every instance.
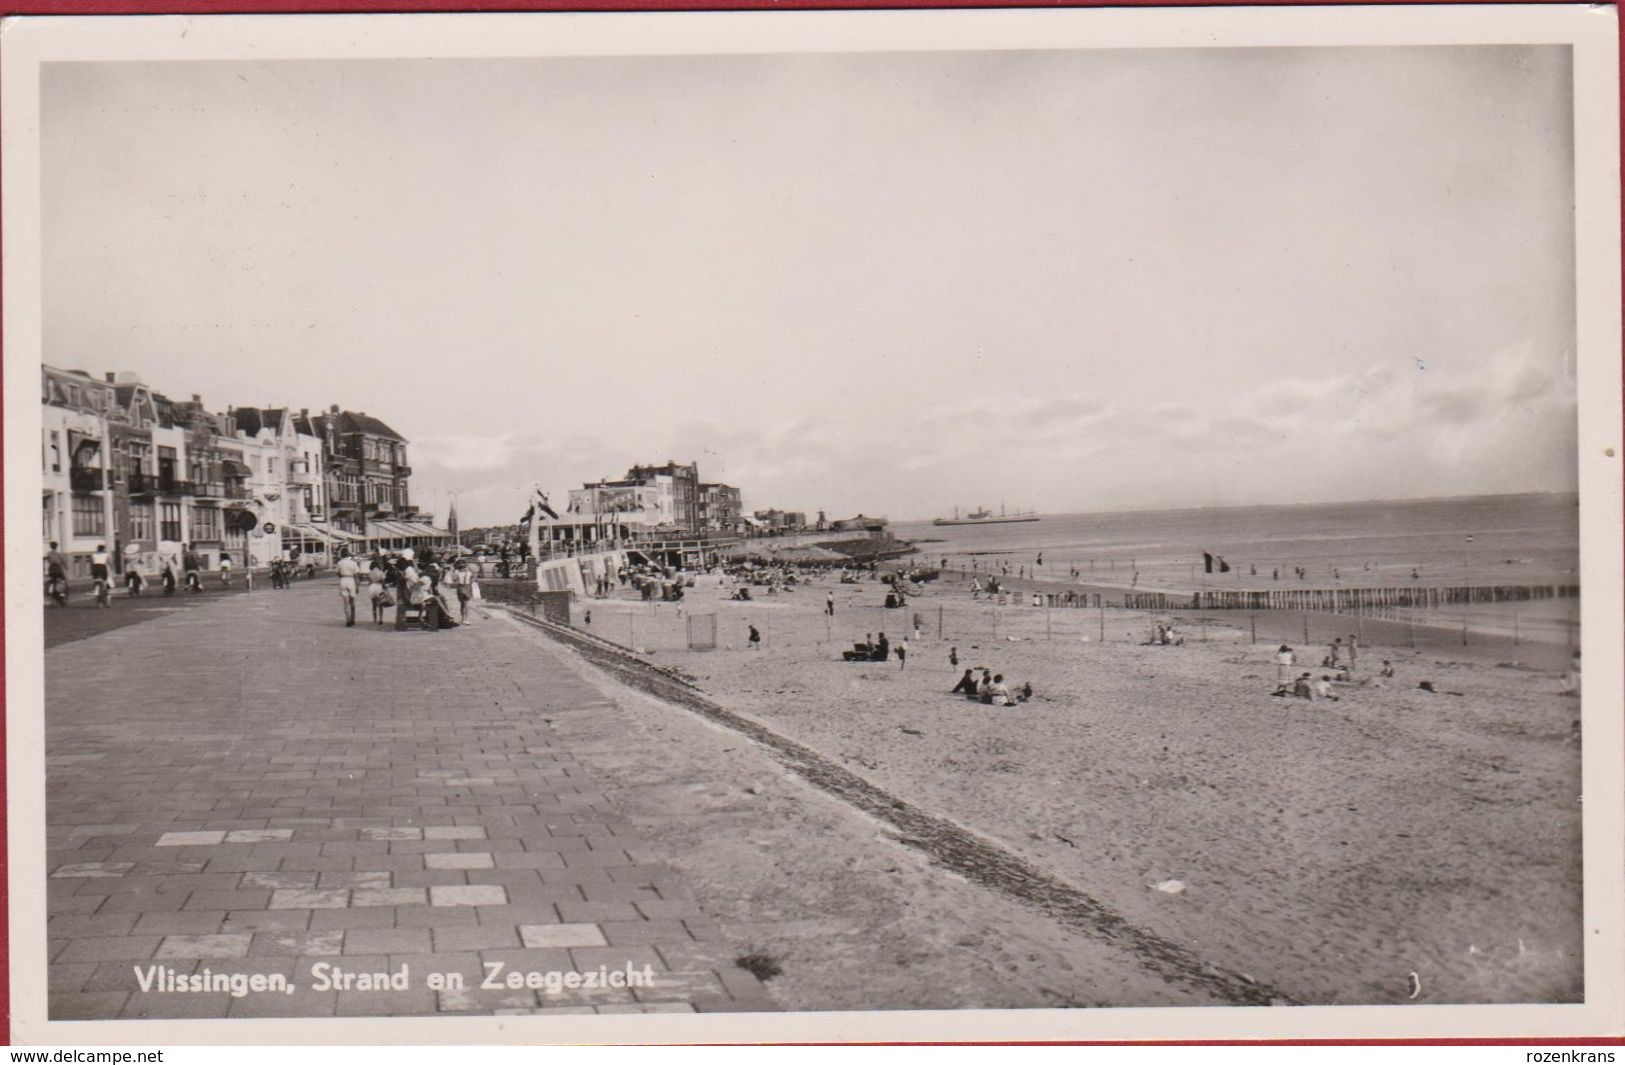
(141, 484)
(218, 490)
(86, 480)
(304, 478)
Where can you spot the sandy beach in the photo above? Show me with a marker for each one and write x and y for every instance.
(1331, 849)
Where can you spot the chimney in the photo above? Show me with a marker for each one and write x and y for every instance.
(110, 377)
(197, 399)
(333, 410)
(304, 412)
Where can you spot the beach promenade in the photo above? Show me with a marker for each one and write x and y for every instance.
(246, 787)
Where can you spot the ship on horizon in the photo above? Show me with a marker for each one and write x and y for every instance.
(983, 516)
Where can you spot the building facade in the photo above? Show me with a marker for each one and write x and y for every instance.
(720, 508)
(148, 477)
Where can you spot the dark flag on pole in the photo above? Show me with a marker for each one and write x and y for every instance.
(1207, 562)
(1224, 567)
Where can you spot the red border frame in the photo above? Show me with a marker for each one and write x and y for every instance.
(9, 8)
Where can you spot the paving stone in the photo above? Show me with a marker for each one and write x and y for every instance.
(111, 948)
(388, 896)
(260, 835)
(387, 941)
(274, 881)
(368, 917)
(562, 935)
(471, 895)
(81, 927)
(458, 861)
(164, 924)
(85, 1006)
(299, 944)
(299, 899)
(268, 920)
(219, 945)
(479, 937)
(188, 839)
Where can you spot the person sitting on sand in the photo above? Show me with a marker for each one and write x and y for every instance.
(1302, 688)
(966, 685)
(1323, 688)
(882, 648)
(1000, 693)
(1026, 691)
(984, 690)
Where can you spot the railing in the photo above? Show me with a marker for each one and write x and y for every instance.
(207, 489)
(84, 480)
(141, 484)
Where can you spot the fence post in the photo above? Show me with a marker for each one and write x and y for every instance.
(1306, 628)
(1101, 602)
(939, 622)
(1253, 620)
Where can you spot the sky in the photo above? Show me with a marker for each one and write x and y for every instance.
(889, 283)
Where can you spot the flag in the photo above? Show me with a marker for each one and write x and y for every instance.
(1207, 562)
(1224, 567)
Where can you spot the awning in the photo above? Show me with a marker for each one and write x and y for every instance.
(233, 468)
(309, 532)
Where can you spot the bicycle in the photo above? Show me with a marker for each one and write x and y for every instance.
(57, 588)
(104, 592)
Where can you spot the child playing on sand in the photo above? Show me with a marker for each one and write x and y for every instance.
(755, 638)
(1323, 688)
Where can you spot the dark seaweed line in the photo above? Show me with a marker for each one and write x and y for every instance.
(945, 842)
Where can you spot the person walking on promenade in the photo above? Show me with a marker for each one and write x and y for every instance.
(463, 581)
(167, 577)
(347, 589)
(99, 577)
(225, 570)
(375, 589)
(755, 638)
(192, 564)
(133, 580)
(56, 575)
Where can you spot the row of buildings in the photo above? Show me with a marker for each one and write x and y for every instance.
(148, 476)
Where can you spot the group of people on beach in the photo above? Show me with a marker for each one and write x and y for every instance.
(991, 690)
(437, 593)
(1341, 658)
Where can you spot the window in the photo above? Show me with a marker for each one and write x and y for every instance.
(88, 517)
(270, 467)
(141, 521)
(56, 451)
(171, 526)
(369, 449)
(205, 523)
(48, 519)
(400, 454)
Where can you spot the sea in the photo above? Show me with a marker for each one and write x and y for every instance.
(1473, 540)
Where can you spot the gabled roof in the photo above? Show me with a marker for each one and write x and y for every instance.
(351, 422)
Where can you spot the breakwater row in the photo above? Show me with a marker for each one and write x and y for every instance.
(1349, 599)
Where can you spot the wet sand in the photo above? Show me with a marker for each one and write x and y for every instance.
(1330, 849)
